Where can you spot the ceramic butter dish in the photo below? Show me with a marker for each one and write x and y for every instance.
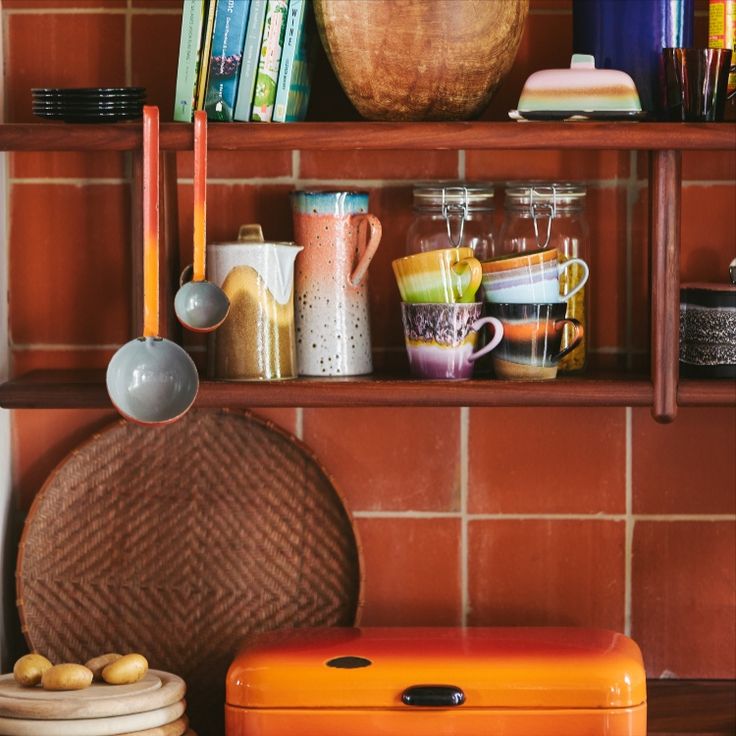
(580, 92)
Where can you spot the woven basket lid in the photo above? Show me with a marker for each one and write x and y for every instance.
(177, 542)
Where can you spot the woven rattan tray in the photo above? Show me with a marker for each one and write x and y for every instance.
(180, 540)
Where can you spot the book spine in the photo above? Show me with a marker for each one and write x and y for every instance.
(192, 19)
(292, 38)
(251, 54)
(268, 66)
(226, 55)
(204, 67)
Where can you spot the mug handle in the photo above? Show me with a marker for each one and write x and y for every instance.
(476, 275)
(579, 332)
(586, 272)
(366, 257)
(497, 336)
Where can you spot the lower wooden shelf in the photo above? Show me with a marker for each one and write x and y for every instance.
(86, 390)
(691, 706)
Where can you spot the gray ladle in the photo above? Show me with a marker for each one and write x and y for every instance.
(151, 380)
(200, 305)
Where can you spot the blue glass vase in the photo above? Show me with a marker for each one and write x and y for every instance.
(629, 35)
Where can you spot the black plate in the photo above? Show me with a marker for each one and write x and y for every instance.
(75, 91)
(117, 107)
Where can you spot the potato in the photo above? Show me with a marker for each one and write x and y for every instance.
(97, 664)
(28, 670)
(126, 670)
(67, 677)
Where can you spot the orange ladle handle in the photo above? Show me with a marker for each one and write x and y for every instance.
(200, 193)
(150, 220)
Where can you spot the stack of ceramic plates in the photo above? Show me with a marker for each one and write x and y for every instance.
(155, 706)
(89, 104)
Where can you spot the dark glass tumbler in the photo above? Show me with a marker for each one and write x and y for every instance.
(696, 82)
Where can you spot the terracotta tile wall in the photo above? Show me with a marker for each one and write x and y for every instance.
(480, 516)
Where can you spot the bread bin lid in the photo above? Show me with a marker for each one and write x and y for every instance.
(493, 667)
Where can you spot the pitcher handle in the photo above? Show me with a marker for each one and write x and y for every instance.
(497, 336)
(586, 272)
(366, 257)
(578, 336)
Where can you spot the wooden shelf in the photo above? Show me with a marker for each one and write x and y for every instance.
(366, 135)
(691, 706)
(86, 390)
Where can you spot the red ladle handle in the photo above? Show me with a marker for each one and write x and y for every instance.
(150, 220)
(200, 193)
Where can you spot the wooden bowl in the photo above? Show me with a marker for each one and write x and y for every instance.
(420, 60)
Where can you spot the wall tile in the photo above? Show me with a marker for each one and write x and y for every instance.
(684, 598)
(547, 461)
(70, 268)
(546, 573)
(24, 361)
(411, 572)
(237, 164)
(536, 51)
(709, 165)
(155, 54)
(708, 232)
(379, 165)
(43, 438)
(60, 165)
(389, 459)
(687, 467)
(640, 279)
(37, 55)
(63, 4)
(555, 165)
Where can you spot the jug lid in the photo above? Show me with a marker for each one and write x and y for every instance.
(253, 235)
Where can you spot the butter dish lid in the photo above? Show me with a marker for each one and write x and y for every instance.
(581, 88)
(514, 667)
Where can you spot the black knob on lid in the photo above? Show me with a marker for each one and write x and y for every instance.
(436, 696)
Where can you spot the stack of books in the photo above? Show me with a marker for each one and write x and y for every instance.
(245, 60)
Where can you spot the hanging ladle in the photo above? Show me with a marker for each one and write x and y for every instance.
(200, 305)
(151, 380)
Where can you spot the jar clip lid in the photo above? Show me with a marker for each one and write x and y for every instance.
(455, 209)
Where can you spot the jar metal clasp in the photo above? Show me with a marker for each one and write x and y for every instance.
(455, 211)
(543, 208)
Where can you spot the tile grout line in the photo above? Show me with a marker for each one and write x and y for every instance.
(296, 164)
(464, 557)
(629, 524)
(669, 518)
(461, 173)
(299, 423)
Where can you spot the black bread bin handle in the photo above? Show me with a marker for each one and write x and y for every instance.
(433, 696)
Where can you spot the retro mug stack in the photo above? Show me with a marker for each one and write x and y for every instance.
(522, 290)
(440, 313)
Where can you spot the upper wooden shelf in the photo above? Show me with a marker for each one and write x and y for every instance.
(365, 135)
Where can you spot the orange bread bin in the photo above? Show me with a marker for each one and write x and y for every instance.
(437, 682)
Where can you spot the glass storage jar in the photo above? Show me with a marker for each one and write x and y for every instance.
(452, 214)
(552, 215)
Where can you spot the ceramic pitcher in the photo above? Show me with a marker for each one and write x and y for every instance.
(332, 324)
(257, 340)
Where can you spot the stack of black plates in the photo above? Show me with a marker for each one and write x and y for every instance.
(89, 104)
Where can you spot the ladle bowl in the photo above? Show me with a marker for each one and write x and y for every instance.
(201, 306)
(151, 380)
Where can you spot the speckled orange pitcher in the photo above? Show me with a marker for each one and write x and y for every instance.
(332, 324)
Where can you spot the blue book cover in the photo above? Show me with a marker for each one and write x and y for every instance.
(294, 83)
(251, 52)
(190, 43)
(226, 55)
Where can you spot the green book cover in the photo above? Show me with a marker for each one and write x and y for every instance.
(205, 55)
(268, 65)
(192, 20)
(294, 84)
